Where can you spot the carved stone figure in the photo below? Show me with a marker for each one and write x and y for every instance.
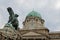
(13, 18)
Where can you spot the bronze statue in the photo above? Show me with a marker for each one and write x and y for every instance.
(13, 18)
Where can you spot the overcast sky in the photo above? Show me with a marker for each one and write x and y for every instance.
(48, 9)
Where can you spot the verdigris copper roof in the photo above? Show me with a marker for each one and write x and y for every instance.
(34, 13)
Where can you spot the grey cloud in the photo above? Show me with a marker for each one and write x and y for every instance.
(46, 8)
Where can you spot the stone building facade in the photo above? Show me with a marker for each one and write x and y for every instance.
(33, 29)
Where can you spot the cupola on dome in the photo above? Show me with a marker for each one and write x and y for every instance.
(34, 14)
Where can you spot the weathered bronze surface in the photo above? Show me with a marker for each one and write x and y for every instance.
(13, 18)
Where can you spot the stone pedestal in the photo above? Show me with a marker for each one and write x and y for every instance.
(8, 32)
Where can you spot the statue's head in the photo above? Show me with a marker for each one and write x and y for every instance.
(16, 15)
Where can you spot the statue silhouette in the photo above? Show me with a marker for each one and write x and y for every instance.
(13, 18)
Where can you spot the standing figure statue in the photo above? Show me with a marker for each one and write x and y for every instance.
(13, 18)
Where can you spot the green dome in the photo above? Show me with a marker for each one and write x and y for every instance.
(34, 13)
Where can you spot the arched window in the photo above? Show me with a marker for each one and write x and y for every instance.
(30, 39)
(36, 19)
(43, 39)
(38, 39)
(5, 38)
(24, 39)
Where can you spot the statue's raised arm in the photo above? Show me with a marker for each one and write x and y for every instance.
(11, 13)
(9, 9)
